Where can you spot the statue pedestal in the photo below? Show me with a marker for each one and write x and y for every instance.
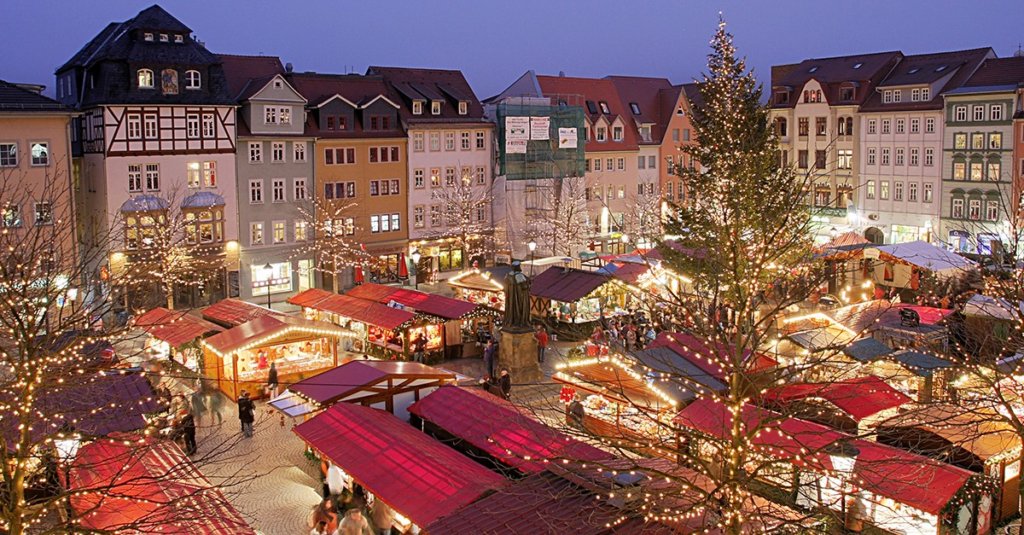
(517, 353)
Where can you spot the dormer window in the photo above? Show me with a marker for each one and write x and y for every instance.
(179, 39)
(846, 93)
(435, 107)
(926, 94)
(147, 36)
(645, 133)
(604, 107)
(145, 79)
(617, 133)
(417, 108)
(463, 108)
(635, 108)
(601, 133)
(782, 97)
(164, 38)
(192, 80)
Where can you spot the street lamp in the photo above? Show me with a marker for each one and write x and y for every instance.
(625, 240)
(268, 272)
(415, 255)
(844, 457)
(833, 232)
(67, 444)
(532, 244)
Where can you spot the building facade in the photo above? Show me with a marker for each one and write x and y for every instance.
(158, 140)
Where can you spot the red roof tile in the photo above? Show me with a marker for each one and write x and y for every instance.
(269, 328)
(449, 84)
(232, 312)
(414, 474)
(860, 397)
(647, 94)
(239, 70)
(148, 489)
(175, 326)
(566, 285)
(339, 383)
(501, 429)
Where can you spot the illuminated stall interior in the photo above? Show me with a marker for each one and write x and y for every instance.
(172, 333)
(482, 286)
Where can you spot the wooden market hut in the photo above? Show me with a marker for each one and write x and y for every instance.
(567, 297)
(852, 405)
(174, 333)
(230, 313)
(239, 358)
(379, 330)
(483, 286)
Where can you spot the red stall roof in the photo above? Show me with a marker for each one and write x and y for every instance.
(414, 474)
(149, 487)
(266, 329)
(501, 429)
(697, 351)
(860, 397)
(566, 285)
(907, 478)
(347, 381)
(232, 312)
(310, 298)
(347, 306)
(378, 293)
(428, 303)
(174, 326)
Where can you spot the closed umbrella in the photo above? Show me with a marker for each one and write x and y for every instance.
(403, 267)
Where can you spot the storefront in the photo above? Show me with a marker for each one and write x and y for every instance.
(277, 279)
(173, 335)
(240, 358)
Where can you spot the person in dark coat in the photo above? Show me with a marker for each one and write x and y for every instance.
(505, 383)
(272, 381)
(246, 413)
(490, 356)
(187, 427)
(419, 345)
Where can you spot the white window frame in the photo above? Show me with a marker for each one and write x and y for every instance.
(150, 126)
(915, 156)
(255, 226)
(209, 125)
(929, 125)
(901, 126)
(435, 141)
(277, 152)
(299, 189)
(960, 114)
(978, 112)
(276, 226)
(277, 190)
(915, 126)
(912, 192)
(463, 107)
(298, 151)
(134, 177)
(928, 192)
(145, 78)
(465, 141)
(481, 141)
(255, 152)
(152, 175)
(957, 209)
(301, 230)
(133, 126)
(872, 156)
(193, 80)
(435, 107)
(929, 157)
(995, 112)
(417, 108)
(256, 191)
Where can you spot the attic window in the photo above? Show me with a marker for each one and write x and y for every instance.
(591, 107)
(812, 69)
(163, 38)
(463, 108)
(912, 71)
(417, 108)
(941, 68)
(147, 36)
(278, 84)
(604, 107)
(857, 66)
(435, 107)
(635, 107)
(179, 39)
(680, 111)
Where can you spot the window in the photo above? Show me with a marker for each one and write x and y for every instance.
(191, 125)
(256, 233)
(822, 196)
(995, 112)
(620, 164)
(927, 193)
(435, 107)
(164, 38)
(608, 164)
(616, 133)
(152, 176)
(897, 95)
(604, 107)
(912, 192)
(900, 156)
(915, 156)
(803, 126)
(820, 126)
(846, 93)
(915, 126)
(277, 190)
(298, 151)
(418, 216)
(887, 96)
(978, 141)
(192, 80)
(209, 126)
(597, 164)
(148, 36)
(480, 141)
(270, 116)
(976, 175)
(670, 191)
(145, 79)
(610, 193)
(686, 134)
(44, 213)
(134, 177)
(801, 159)
(842, 124)
(449, 141)
(915, 95)
(600, 133)
(279, 232)
(301, 230)
(992, 210)
(194, 175)
(781, 130)
(134, 126)
(820, 159)
(277, 152)
(435, 141)
(340, 156)
(897, 191)
(929, 125)
(396, 221)
(435, 215)
(883, 191)
(299, 189)
(870, 194)
(465, 145)
(586, 165)
(622, 192)
(958, 209)
(256, 152)
(10, 215)
(959, 170)
(872, 126)
(974, 209)
(995, 140)
(929, 157)
(651, 162)
(886, 126)
(978, 115)
(871, 156)
(435, 177)
(845, 159)
(901, 126)
(255, 192)
(417, 141)
(481, 175)
(926, 94)
(994, 171)
(150, 126)
(885, 156)
(449, 176)
(960, 141)
(960, 113)
(417, 108)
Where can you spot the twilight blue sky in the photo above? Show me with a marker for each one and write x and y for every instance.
(494, 42)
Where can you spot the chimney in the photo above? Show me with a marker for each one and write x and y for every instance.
(288, 67)
(35, 88)
(561, 74)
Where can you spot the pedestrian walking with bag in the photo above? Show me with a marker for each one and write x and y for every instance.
(246, 413)
(490, 356)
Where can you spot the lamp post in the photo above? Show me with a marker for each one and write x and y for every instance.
(415, 255)
(67, 444)
(625, 240)
(843, 457)
(268, 272)
(532, 244)
(833, 232)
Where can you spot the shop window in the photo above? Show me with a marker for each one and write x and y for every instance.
(276, 280)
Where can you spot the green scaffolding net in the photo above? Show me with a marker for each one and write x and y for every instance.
(540, 137)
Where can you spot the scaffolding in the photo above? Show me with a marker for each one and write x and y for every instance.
(543, 159)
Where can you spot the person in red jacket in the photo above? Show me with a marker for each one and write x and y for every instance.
(542, 342)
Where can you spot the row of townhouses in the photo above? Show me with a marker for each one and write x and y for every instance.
(279, 175)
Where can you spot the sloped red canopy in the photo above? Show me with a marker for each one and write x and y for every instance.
(268, 328)
(371, 313)
(378, 293)
(335, 384)
(705, 355)
(860, 397)
(414, 474)
(436, 305)
(232, 312)
(566, 285)
(890, 472)
(501, 429)
(174, 326)
(148, 488)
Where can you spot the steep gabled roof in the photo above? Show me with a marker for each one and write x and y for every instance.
(866, 70)
(406, 85)
(356, 90)
(927, 69)
(999, 72)
(155, 18)
(240, 71)
(15, 98)
(646, 94)
(595, 90)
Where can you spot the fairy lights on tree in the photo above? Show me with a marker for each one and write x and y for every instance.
(465, 220)
(331, 229)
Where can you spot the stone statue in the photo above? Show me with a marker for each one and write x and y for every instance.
(517, 300)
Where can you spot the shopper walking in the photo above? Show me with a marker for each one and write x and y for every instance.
(490, 356)
(187, 426)
(419, 345)
(542, 343)
(383, 517)
(213, 400)
(326, 513)
(246, 413)
(272, 381)
(198, 401)
(505, 384)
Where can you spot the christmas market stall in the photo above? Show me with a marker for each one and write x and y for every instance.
(383, 384)
(240, 358)
(490, 427)
(852, 405)
(379, 330)
(173, 335)
(989, 321)
(869, 482)
(230, 313)
(483, 286)
(571, 296)
(899, 266)
(147, 486)
(419, 477)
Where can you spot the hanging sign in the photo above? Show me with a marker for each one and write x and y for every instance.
(517, 128)
(540, 128)
(567, 138)
(513, 146)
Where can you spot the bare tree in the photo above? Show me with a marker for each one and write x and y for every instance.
(566, 228)
(331, 228)
(466, 206)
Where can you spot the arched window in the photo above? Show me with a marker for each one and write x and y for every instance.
(192, 80)
(849, 126)
(146, 78)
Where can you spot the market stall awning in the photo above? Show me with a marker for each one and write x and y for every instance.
(880, 313)
(922, 364)
(707, 355)
(346, 306)
(867, 350)
(675, 374)
(423, 302)
(860, 398)
(378, 293)
(886, 471)
(566, 285)
(985, 306)
(501, 429)
(482, 280)
(927, 256)
(233, 312)
(175, 326)
(361, 380)
(265, 330)
(310, 298)
(148, 487)
(414, 474)
(821, 338)
(627, 272)
(615, 378)
(978, 431)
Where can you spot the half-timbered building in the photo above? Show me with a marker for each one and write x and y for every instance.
(157, 131)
